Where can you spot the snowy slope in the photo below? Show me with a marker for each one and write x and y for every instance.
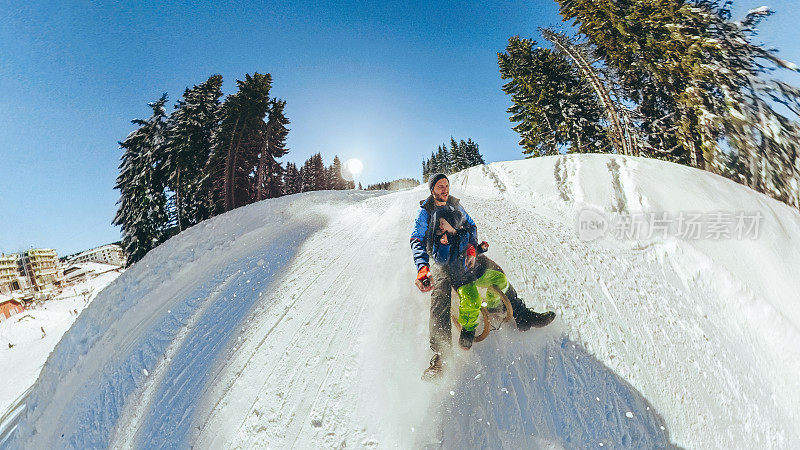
(294, 323)
(29, 349)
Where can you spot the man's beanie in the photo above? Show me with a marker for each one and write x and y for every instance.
(434, 179)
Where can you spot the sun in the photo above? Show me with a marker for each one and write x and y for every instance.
(352, 168)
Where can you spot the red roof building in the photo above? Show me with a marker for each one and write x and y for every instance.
(9, 306)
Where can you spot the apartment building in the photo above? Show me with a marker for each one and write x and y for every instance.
(106, 254)
(10, 279)
(41, 267)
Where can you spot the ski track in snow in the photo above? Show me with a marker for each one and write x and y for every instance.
(304, 330)
(625, 197)
(191, 365)
(566, 173)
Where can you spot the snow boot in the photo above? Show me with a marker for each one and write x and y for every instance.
(466, 338)
(435, 370)
(527, 318)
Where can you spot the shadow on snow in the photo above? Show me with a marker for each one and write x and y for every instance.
(542, 391)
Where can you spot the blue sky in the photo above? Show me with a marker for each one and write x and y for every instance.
(380, 81)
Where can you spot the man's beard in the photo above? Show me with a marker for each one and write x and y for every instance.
(440, 197)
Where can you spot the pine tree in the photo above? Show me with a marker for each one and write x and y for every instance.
(457, 161)
(401, 183)
(275, 174)
(553, 106)
(233, 164)
(698, 79)
(287, 179)
(328, 177)
(307, 177)
(339, 183)
(443, 159)
(291, 180)
(621, 133)
(473, 154)
(269, 176)
(298, 181)
(318, 173)
(765, 142)
(635, 38)
(142, 206)
(190, 133)
(462, 155)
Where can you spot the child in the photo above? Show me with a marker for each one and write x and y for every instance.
(456, 247)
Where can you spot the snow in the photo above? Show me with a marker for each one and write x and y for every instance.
(761, 10)
(294, 322)
(97, 267)
(22, 362)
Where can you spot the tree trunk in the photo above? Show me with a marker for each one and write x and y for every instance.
(691, 138)
(230, 168)
(178, 200)
(617, 132)
(260, 173)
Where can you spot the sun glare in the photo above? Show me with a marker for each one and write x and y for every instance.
(353, 167)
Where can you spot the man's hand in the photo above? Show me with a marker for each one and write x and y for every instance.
(470, 262)
(422, 287)
(424, 282)
(446, 227)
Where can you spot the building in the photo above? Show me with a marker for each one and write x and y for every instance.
(78, 272)
(106, 254)
(10, 277)
(9, 306)
(41, 267)
(9, 273)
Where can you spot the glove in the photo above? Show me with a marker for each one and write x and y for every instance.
(484, 246)
(470, 250)
(423, 275)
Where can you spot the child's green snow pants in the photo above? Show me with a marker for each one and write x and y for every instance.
(470, 300)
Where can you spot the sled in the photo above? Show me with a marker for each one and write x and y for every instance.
(487, 316)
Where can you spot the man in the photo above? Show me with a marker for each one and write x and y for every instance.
(436, 277)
